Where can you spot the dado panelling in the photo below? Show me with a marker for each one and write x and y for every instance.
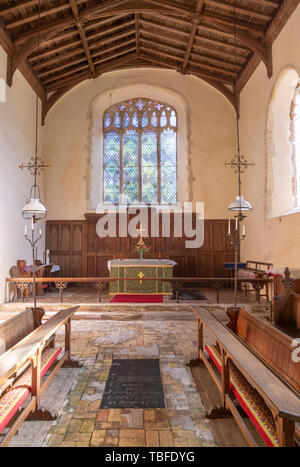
(79, 251)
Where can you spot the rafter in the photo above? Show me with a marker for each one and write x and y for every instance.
(79, 50)
(137, 33)
(244, 11)
(191, 71)
(190, 37)
(80, 28)
(211, 53)
(258, 47)
(185, 34)
(201, 66)
(89, 37)
(218, 63)
(67, 85)
(83, 67)
(98, 52)
(191, 41)
(99, 70)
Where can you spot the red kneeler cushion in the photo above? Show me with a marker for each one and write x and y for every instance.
(18, 393)
(250, 400)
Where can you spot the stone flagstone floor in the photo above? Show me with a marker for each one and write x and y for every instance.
(80, 420)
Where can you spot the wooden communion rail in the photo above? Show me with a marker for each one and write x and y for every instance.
(178, 283)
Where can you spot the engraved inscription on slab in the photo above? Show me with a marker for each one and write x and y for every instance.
(133, 384)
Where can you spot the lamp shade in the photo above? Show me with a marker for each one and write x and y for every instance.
(240, 204)
(34, 207)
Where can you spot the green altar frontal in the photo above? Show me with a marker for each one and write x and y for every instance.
(139, 270)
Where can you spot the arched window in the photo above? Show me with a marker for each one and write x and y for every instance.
(295, 130)
(140, 153)
(283, 148)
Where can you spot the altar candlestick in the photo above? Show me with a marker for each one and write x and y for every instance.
(244, 230)
(228, 226)
(32, 227)
(25, 231)
(40, 232)
(236, 223)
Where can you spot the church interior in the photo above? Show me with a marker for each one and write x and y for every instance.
(150, 223)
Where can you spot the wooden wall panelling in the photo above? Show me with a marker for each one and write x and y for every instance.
(65, 240)
(80, 252)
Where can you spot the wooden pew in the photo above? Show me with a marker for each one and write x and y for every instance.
(242, 376)
(272, 345)
(23, 366)
(286, 307)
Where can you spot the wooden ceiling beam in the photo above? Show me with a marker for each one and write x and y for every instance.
(93, 45)
(197, 55)
(99, 70)
(283, 14)
(216, 53)
(50, 30)
(89, 37)
(79, 60)
(83, 67)
(269, 3)
(68, 84)
(202, 66)
(217, 19)
(219, 52)
(61, 67)
(200, 74)
(238, 9)
(16, 7)
(259, 47)
(137, 33)
(75, 11)
(35, 16)
(186, 34)
(19, 39)
(199, 6)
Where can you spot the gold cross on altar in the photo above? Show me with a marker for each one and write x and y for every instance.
(141, 275)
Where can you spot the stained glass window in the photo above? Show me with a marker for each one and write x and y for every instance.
(140, 152)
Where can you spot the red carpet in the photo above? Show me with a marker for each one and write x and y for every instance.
(137, 298)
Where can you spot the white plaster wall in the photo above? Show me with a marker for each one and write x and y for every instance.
(17, 143)
(277, 239)
(210, 126)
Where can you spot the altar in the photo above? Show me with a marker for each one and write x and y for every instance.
(140, 269)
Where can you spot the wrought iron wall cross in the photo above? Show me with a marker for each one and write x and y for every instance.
(239, 164)
(36, 165)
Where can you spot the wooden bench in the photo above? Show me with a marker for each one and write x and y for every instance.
(26, 361)
(286, 307)
(245, 377)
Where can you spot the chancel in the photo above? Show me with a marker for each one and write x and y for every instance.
(150, 206)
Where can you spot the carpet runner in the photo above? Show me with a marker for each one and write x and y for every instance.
(137, 298)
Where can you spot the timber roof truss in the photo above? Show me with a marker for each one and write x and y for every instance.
(57, 44)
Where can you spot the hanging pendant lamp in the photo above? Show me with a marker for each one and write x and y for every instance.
(239, 163)
(34, 208)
